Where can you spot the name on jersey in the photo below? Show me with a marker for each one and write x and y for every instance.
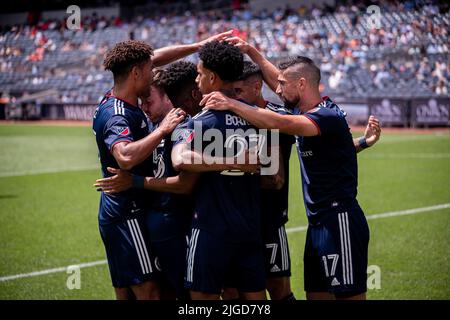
(231, 120)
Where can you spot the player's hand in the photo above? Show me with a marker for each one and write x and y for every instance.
(217, 37)
(239, 43)
(373, 131)
(216, 101)
(171, 120)
(121, 181)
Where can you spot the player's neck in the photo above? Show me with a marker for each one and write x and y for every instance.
(123, 93)
(228, 90)
(309, 103)
(261, 102)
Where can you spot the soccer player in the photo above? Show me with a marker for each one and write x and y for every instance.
(121, 131)
(225, 236)
(118, 125)
(336, 251)
(170, 212)
(274, 199)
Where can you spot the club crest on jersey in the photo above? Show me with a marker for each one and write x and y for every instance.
(185, 135)
(122, 131)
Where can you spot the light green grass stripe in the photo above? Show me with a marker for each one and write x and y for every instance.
(289, 230)
(44, 171)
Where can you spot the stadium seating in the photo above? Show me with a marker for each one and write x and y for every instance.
(407, 57)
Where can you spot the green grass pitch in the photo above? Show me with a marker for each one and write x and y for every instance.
(48, 214)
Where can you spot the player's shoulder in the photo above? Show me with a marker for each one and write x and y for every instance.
(278, 108)
(327, 108)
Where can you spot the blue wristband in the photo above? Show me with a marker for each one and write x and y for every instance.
(363, 143)
(138, 181)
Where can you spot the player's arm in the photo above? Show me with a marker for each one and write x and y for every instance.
(371, 135)
(122, 180)
(185, 159)
(262, 118)
(275, 181)
(170, 54)
(270, 72)
(128, 154)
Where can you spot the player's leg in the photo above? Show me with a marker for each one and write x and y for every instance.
(230, 294)
(336, 256)
(207, 262)
(361, 296)
(130, 262)
(197, 295)
(124, 294)
(355, 239)
(314, 279)
(250, 270)
(320, 296)
(278, 264)
(148, 290)
(172, 258)
(280, 288)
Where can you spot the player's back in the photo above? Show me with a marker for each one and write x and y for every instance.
(117, 121)
(227, 202)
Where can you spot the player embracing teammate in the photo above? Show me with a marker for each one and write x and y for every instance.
(226, 240)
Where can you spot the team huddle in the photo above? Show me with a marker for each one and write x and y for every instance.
(189, 208)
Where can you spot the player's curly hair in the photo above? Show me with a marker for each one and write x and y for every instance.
(177, 79)
(222, 58)
(250, 69)
(125, 55)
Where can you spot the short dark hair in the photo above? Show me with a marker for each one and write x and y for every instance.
(177, 79)
(250, 69)
(125, 55)
(222, 58)
(308, 66)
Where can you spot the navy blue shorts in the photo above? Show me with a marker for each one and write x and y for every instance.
(168, 236)
(277, 260)
(336, 253)
(171, 255)
(212, 260)
(130, 258)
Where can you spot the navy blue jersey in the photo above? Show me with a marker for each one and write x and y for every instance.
(328, 161)
(115, 121)
(274, 203)
(179, 207)
(226, 203)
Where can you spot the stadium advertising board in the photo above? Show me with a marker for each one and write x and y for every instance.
(432, 111)
(390, 111)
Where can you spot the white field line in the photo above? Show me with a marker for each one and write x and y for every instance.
(54, 270)
(407, 155)
(289, 230)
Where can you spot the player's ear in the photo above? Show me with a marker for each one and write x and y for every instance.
(196, 95)
(301, 84)
(257, 86)
(212, 77)
(134, 72)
